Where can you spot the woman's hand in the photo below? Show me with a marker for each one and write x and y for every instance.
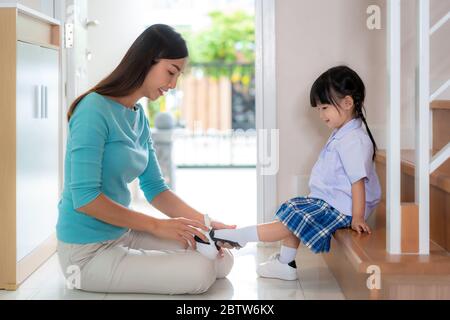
(360, 226)
(219, 225)
(180, 229)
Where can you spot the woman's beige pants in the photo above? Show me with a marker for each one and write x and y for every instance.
(139, 262)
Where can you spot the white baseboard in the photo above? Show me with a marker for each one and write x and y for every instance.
(35, 259)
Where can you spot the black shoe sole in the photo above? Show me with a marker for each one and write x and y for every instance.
(292, 264)
(196, 238)
(231, 243)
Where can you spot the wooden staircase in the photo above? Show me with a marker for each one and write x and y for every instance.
(401, 276)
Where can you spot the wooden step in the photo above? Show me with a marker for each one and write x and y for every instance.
(365, 250)
(439, 195)
(401, 276)
(440, 105)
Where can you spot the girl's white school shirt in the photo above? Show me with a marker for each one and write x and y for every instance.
(345, 159)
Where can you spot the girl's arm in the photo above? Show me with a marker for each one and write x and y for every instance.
(359, 207)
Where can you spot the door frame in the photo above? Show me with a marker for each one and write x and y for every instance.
(266, 103)
(60, 15)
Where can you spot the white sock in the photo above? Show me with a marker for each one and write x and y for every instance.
(241, 235)
(287, 254)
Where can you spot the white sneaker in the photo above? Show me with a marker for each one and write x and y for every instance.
(208, 249)
(273, 268)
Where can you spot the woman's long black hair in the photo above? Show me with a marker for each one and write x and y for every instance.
(337, 83)
(157, 42)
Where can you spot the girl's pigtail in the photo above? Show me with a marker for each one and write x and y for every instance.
(360, 114)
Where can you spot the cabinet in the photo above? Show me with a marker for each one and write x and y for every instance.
(37, 145)
(29, 143)
(46, 7)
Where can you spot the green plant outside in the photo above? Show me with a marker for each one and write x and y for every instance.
(228, 43)
(225, 49)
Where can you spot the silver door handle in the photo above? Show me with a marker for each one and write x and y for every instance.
(42, 102)
(45, 102)
(38, 105)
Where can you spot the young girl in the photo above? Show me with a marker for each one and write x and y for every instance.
(344, 185)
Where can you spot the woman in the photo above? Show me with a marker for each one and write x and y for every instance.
(115, 248)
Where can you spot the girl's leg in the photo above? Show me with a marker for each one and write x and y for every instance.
(289, 248)
(268, 232)
(291, 241)
(274, 231)
(281, 266)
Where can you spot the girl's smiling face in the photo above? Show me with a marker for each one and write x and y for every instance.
(337, 116)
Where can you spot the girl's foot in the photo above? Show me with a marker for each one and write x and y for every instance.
(235, 238)
(225, 243)
(273, 268)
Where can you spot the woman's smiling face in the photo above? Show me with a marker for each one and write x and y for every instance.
(162, 77)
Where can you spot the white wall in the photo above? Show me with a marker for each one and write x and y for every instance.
(109, 41)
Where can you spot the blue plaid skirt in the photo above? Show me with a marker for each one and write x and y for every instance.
(313, 221)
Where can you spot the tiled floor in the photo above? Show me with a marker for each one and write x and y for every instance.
(315, 282)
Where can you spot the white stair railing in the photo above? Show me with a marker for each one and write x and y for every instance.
(393, 174)
(439, 158)
(422, 176)
(439, 91)
(440, 23)
(424, 166)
